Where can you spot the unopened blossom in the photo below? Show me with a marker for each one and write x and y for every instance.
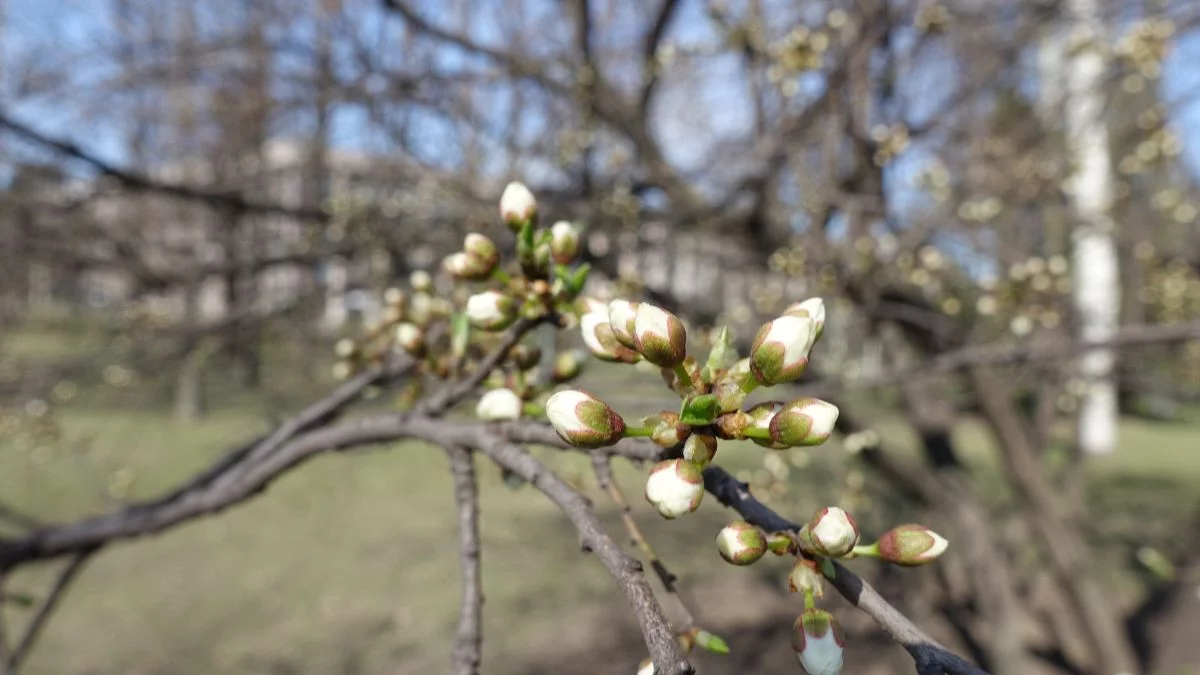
(806, 421)
(911, 545)
(818, 642)
(660, 335)
(567, 366)
(700, 448)
(481, 247)
(741, 543)
(675, 487)
(761, 416)
(584, 420)
(517, 206)
(421, 281)
(668, 432)
(806, 577)
(622, 316)
(564, 242)
(499, 404)
(814, 310)
(598, 336)
(832, 532)
(410, 338)
(646, 667)
(491, 310)
(780, 350)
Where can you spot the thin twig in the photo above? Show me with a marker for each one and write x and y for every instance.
(608, 482)
(929, 657)
(468, 639)
(660, 640)
(446, 397)
(38, 622)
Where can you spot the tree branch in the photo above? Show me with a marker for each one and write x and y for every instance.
(468, 639)
(448, 396)
(38, 622)
(929, 657)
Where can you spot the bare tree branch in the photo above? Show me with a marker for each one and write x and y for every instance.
(929, 657)
(38, 622)
(468, 639)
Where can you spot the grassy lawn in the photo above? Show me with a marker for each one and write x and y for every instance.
(348, 564)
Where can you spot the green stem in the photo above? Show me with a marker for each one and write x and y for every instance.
(866, 550)
(809, 601)
(684, 376)
(639, 432)
(756, 433)
(749, 384)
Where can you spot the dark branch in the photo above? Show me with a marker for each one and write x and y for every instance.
(34, 630)
(929, 656)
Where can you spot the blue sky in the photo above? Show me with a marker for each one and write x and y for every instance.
(80, 25)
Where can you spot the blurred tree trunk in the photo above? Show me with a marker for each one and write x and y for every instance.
(1097, 284)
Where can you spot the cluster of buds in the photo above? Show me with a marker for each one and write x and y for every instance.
(712, 393)
(449, 334)
(831, 533)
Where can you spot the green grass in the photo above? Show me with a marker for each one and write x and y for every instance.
(348, 564)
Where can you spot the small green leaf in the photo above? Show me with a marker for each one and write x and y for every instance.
(828, 569)
(1156, 563)
(723, 353)
(577, 279)
(19, 599)
(710, 642)
(699, 410)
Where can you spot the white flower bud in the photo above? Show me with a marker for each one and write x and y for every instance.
(675, 487)
(832, 532)
(499, 404)
(660, 336)
(410, 338)
(564, 242)
(597, 334)
(481, 247)
(646, 667)
(814, 310)
(818, 641)
(584, 420)
(517, 206)
(622, 315)
(806, 421)
(490, 310)
(421, 281)
(741, 543)
(910, 545)
(780, 351)
(345, 348)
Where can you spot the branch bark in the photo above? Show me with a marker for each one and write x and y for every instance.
(34, 630)
(468, 639)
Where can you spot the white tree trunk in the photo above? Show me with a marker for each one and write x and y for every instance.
(1097, 285)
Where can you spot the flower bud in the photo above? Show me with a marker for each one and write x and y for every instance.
(410, 338)
(421, 310)
(567, 366)
(781, 543)
(499, 404)
(911, 545)
(342, 370)
(741, 543)
(818, 642)
(675, 487)
(394, 296)
(668, 432)
(806, 577)
(832, 532)
(622, 315)
(584, 420)
(730, 395)
(761, 416)
(700, 449)
(456, 265)
(491, 310)
(517, 206)
(564, 242)
(814, 310)
(733, 425)
(646, 667)
(421, 281)
(482, 248)
(345, 348)
(598, 336)
(780, 351)
(589, 305)
(525, 356)
(660, 336)
(806, 421)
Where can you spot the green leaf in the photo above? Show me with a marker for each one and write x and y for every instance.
(19, 599)
(577, 279)
(710, 642)
(828, 569)
(460, 334)
(699, 410)
(723, 353)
